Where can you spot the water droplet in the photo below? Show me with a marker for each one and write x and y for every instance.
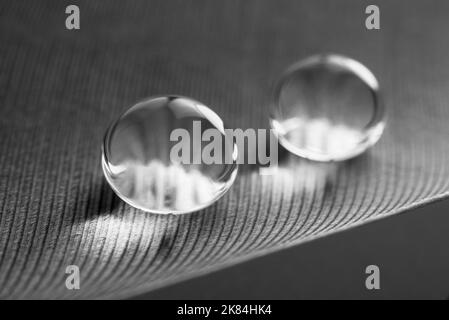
(327, 108)
(138, 161)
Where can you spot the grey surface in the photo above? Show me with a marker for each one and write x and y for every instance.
(410, 251)
(60, 89)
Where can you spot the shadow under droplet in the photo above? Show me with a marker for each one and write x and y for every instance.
(95, 199)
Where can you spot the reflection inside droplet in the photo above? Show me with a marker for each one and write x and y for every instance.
(327, 108)
(138, 161)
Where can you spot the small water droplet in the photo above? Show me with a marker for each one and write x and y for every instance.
(327, 108)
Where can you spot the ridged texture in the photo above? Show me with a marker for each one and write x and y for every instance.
(60, 89)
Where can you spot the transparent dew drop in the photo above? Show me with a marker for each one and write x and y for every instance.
(327, 108)
(153, 156)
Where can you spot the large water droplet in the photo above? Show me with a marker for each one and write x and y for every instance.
(138, 161)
